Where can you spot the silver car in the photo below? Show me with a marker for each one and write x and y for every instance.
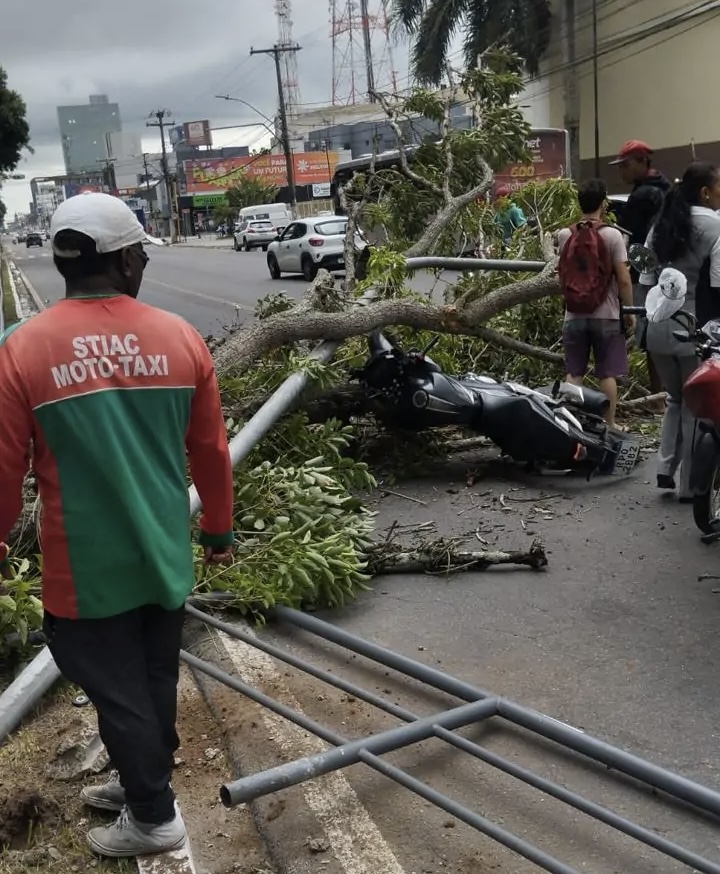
(254, 234)
(309, 244)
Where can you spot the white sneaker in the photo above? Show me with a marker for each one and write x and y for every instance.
(106, 796)
(127, 837)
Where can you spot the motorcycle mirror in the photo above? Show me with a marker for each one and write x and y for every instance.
(642, 258)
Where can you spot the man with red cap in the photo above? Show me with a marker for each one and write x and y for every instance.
(648, 189)
(637, 216)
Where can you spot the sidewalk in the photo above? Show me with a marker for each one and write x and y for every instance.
(210, 242)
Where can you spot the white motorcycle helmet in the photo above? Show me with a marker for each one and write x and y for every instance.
(667, 297)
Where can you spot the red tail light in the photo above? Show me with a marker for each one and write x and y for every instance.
(316, 241)
(702, 391)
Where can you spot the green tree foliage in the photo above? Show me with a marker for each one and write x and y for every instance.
(249, 191)
(401, 205)
(14, 129)
(522, 25)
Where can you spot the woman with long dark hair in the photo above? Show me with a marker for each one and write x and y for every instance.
(686, 236)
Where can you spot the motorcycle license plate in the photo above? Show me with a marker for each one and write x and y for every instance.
(626, 460)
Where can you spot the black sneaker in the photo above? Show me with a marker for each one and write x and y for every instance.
(664, 481)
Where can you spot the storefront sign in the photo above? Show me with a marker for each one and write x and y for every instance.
(203, 201)
(219, 174)
(548, 149)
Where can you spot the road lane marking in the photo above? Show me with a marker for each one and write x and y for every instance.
(355, 839)
(199, 294)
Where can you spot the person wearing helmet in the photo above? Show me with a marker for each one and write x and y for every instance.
(508, 215)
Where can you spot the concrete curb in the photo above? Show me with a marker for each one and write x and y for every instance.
(227, 246)
(285, 849)
(13, 289)
(325, 812)
(34, 296)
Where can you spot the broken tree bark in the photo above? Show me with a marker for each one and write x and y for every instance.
(241, 349)
(442, 556)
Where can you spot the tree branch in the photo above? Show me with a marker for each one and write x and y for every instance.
(241, 349)
(498, 339)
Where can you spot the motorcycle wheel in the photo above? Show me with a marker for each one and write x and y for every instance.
(706, 505)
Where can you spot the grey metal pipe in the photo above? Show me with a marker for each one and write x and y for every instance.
(350, 753)
(397, 662)
(26, 690)
(573, 738)
(466, 264)
(43, 672)
(590, 808)
(449, 805)
(279, 402)
(673, 784)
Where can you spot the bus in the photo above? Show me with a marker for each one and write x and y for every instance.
(548, 148)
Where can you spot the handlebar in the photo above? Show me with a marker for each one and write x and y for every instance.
(633, 311)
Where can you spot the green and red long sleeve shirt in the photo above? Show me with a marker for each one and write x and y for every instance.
(115, 397)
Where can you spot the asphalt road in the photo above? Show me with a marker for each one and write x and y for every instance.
(618, 637)
(212, 288)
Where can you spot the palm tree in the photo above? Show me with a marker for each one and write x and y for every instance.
(523, 26)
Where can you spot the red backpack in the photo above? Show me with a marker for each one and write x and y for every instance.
(585, 268)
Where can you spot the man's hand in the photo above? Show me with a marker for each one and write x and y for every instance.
(630, 322)
(218, 555)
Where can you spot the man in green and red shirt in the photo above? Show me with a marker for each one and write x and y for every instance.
(115, 397)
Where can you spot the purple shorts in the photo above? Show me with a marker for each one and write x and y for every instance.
(604, 338)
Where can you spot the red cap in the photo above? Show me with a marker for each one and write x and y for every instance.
(633, 149)
(503, 191)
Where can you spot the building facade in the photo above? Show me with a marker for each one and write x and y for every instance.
(655, 67)
(85, 131)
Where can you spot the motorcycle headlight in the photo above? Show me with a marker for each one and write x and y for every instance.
(420, 399)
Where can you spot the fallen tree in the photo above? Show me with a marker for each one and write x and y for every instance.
(305, 535)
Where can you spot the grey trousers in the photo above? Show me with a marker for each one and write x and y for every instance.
(679, 427)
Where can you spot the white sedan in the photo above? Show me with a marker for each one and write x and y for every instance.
(308, 244)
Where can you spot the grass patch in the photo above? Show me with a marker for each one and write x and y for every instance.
(10, 315)
(43, 823)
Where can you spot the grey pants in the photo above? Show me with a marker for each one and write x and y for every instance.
(679, 427)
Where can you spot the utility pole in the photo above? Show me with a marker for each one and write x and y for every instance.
(161, 115)
(367, 43)
(596, 87)
(570, 87)
(277, 51)
(147, 186)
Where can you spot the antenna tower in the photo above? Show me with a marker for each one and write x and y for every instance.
(290, 84)
(362, 50)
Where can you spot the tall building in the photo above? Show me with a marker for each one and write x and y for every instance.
(85, 132)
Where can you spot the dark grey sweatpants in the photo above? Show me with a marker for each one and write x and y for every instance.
(679, 426)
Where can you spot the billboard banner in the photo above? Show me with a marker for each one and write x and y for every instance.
(549, 159)
(197, 133)
(219, 174)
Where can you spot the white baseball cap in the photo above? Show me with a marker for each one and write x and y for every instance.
(109, 223)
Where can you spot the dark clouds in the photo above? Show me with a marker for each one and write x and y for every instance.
(148, 54)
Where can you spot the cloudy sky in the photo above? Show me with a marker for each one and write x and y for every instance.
(149, 54)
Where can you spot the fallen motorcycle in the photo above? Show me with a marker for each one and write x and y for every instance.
(559, 427)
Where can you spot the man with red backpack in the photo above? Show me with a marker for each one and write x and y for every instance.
(595, 280)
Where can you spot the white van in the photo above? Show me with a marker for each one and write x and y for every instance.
(278, 213)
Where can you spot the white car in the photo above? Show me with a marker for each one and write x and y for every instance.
(255, 234)
(309, 244)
